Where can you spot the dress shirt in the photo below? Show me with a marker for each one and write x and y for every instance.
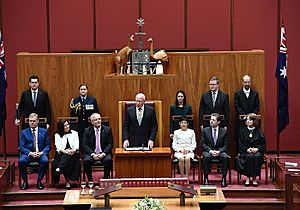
(247, 92)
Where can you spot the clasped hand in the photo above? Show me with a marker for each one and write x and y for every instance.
(98, 156)
(35, 154)
(69, 151)
(252, 150)
(215, 153)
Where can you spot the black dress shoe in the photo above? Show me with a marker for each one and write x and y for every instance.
(39, 185)
(205, 181)
(24, 186)
(223, 183)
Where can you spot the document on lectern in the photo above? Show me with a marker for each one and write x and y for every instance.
(137, 149)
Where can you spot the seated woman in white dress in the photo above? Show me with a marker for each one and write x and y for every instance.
(184, 144)
(67, 158)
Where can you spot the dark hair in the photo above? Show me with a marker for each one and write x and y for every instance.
(34, 77)
(83, 84)
(61, 127)
(218, 116)
(184, 98)
(183, 118)
(215, 79)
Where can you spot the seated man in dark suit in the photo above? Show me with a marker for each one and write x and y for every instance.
(97, 146)
(140, 124)
(214, 145)
(34, 147)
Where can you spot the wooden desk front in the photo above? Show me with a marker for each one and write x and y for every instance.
(286, 179)
(127, 197)
(155, 163)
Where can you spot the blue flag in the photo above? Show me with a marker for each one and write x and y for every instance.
(282, 95)
(3, 85)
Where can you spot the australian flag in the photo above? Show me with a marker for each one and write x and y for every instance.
(3, 85)
(282, 95)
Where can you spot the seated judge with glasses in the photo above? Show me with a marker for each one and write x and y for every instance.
(34, 146)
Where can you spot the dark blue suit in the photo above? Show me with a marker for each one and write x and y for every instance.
(139, 135)
(83, 110)
(26, 146)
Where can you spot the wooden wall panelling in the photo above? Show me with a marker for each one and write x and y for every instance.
(61, 74)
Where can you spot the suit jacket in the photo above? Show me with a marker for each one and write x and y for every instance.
(221, 107)
(244, 105)
(106, 140)
(83, 110)
(26, 141)
(207, 142)
(139, 135)
(26, 106)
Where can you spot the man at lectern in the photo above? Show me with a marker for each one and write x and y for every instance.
(140, 124)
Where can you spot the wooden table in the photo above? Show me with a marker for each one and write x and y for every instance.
(155, 163)
(286, 178)
(127, 197)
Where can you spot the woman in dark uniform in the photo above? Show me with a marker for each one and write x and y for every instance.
(179, 108)
(251, 150)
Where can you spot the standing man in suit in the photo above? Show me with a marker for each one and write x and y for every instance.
(214, 101)
(214, 146)
(140, 124)
(83, 107)
(246, 101)
(34, 100)
(97, 146)
(34, 146)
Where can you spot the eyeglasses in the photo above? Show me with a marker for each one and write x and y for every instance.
(213, 84)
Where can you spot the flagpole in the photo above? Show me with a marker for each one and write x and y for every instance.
(277, 84)
(4, 141)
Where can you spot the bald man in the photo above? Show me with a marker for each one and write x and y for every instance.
(246, 101)
(140, 124)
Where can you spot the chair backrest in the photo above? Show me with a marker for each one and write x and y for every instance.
(42, 121)
(156, 104)
(176, 118)
(242, 117)
(73, 122)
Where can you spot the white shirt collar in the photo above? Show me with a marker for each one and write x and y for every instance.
(246, 91)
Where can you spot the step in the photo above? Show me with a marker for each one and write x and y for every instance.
(35, 195)
(253, 193)
(254, 203)
(34, 205)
